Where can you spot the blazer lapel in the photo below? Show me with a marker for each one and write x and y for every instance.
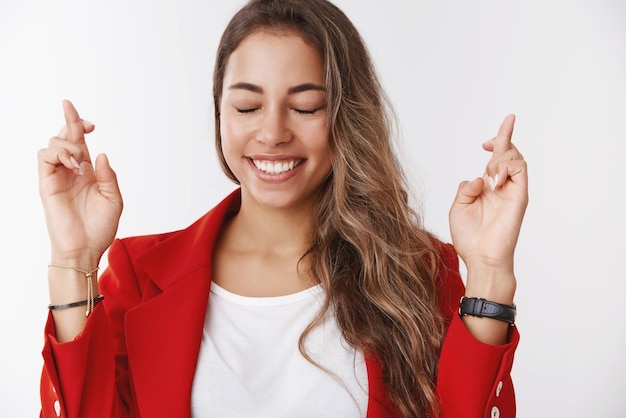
(164, 332)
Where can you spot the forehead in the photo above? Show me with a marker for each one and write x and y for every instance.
(274, 57)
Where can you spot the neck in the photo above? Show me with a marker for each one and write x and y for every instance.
(271, 230)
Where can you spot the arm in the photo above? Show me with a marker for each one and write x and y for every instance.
(473, 377)
(89, 376)
(82, 205)
(485, 222)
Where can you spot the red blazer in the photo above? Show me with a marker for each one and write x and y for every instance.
(137, 354)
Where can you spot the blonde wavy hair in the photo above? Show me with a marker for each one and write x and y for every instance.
(369, 251)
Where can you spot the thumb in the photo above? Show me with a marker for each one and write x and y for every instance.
(468, 191)
(107, 180)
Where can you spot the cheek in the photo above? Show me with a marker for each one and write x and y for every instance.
(227, 141)
(232, 135)
(234, 130)
(318, 140)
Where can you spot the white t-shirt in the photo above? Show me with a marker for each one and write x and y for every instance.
(250, 366)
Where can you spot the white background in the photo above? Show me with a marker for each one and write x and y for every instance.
(141, 71)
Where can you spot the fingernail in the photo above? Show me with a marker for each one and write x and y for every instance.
(86, 122)
(81, 169)
(493, 182)
(74, 162)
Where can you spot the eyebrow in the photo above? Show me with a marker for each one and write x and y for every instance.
(292, 90)
(305, 87)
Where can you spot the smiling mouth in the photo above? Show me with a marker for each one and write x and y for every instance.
(276, 167)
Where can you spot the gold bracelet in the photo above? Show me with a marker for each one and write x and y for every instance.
(89, 276)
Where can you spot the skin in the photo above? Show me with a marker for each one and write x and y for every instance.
(485, 222)
(272, 110)
(82, 205)
(262, 119)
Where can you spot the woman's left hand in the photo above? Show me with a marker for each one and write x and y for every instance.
(487, 213)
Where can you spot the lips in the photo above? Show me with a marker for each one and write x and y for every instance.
(276, 167)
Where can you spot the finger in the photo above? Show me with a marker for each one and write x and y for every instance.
(510, 170)
(496, 172)
(78, 152)
(468, 191)
(50, 159)
(488, 145)
(75, 150)
(495, 161)
(74, 125)
(88, 127)
(502, 141)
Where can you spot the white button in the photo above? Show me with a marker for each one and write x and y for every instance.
(499, 388)
(57, 408)
(495, 412)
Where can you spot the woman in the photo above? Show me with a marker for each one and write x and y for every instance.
(312, 290)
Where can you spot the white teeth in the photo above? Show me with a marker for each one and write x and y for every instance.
(276, 167)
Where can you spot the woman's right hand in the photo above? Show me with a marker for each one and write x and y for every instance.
(82, 203)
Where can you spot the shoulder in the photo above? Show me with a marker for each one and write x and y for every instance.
(207, 226)
(139, 243)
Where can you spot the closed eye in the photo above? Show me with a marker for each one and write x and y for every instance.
(307, 111)
(247, 110)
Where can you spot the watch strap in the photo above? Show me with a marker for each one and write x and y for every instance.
(485, 308)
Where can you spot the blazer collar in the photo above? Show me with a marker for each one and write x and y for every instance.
(164, 332)
(181, 253)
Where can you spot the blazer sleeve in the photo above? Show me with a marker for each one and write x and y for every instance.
(474, 378)
(88, 377)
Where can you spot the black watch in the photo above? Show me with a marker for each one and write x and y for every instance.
(484, 308)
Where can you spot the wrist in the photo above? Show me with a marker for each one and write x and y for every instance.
(482, 308)
(494, 284)
(67, 280)
(85, 260)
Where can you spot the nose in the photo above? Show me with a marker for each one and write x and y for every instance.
(274, 128)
